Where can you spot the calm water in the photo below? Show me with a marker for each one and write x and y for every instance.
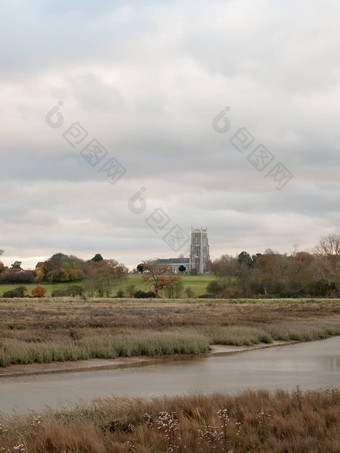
(311, 365)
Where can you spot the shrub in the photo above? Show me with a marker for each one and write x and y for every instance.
(17, 292)
(120, 293)
(73, 290)
(38, 291)
(143, 294)
(230, 292)
(131, 289)
(189, 293)
(215, 287)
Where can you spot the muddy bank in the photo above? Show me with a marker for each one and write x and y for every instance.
(122, 362)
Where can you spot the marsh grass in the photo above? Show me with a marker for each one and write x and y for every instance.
(14, 351)
(67, 329)
(303, 330)
(253, 421)
(237, 335)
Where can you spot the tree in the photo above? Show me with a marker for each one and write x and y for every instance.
(140, 268)
(226, 266)
(328, 245)
(64, 268)
(97, 257)
(245, 258)
(16, 265)
(328, 260)
(154, 275)
(174, 287)
(182, 268)
(2, 266)
(8, 276)
(104, 275)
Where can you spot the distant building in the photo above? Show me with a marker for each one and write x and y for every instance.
(175, 263)
(199, 250)
(199, 254)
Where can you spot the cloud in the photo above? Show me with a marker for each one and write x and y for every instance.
(146, 80)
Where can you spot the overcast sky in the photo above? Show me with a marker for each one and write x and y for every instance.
(148, 80)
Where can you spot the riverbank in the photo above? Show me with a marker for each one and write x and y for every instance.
(252, 421)
(123, 362)
(45, 331)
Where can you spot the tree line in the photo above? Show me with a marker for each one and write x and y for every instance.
(271, 274)
(97, 273)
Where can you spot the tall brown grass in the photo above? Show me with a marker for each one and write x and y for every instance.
(49, 331)
(253, 421)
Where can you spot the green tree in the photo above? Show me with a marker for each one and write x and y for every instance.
(64, 268)
(16, 265)
(245, 258)
(182, 268)
(97, 258)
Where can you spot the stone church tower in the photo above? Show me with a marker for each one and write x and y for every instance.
(199, 250)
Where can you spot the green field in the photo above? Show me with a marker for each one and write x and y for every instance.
(197, 283)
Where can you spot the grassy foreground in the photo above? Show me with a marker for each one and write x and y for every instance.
(253, 421)
(48, 330)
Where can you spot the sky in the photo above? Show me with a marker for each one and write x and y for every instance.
(125, 123)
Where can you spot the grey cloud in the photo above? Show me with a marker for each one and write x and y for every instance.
(146, 79)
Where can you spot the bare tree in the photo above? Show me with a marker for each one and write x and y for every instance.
(328, 245)
(328, 259)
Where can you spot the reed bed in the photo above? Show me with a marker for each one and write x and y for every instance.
(14, 351)
(53, 331)
(253, 421)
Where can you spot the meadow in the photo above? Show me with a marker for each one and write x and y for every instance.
(55, 330)
(197, 283)
(253, 421)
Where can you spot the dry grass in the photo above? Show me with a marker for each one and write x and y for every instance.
(46, 331)
(254, 421)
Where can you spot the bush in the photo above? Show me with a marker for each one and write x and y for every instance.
(38, 291)
(131, 289)
(143, 294)
(189, 293)
(17, 292)
(215, 287)
(231, 292)
(73, 290)
(120, 293)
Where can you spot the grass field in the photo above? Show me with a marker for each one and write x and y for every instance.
(48, 330)
(197, 283)
(253, 421)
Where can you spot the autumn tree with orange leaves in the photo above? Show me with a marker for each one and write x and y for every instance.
(157, 275)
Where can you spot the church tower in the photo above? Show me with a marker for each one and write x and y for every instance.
(199, 250)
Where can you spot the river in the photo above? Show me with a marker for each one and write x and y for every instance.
(311, 365)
